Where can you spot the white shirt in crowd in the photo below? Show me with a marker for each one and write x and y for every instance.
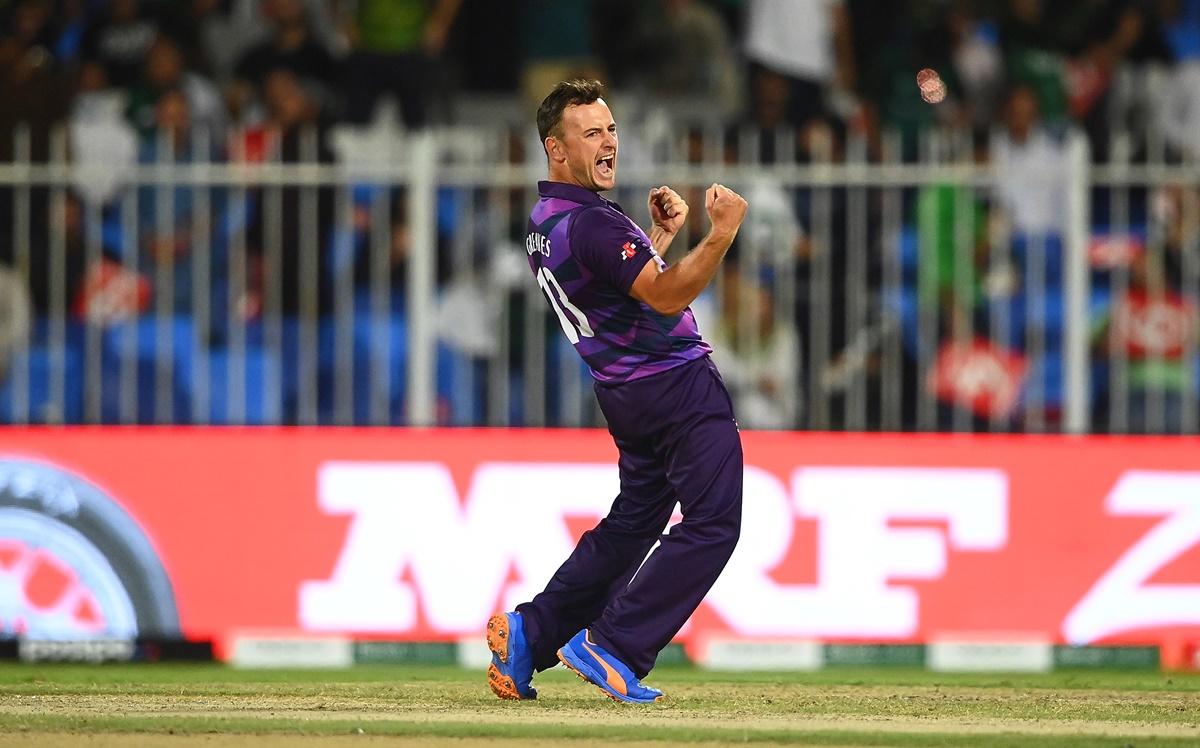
(1032, 181)
(792, 37)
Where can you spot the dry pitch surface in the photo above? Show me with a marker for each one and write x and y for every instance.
(213, 706)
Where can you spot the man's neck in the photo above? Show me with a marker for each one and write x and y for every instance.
(559, 177)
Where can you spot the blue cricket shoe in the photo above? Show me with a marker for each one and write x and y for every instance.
(591, 662)
(511, 670)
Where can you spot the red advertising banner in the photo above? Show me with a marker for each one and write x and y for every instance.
(420, 535)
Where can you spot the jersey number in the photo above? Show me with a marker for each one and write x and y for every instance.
(563, 306)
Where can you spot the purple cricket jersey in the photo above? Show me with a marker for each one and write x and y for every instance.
(586, 253)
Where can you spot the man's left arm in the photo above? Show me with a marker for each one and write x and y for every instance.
(668, 213)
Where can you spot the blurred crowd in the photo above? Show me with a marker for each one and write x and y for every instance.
(850, 64)
(186, 81)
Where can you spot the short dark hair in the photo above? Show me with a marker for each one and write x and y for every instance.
(567, 93)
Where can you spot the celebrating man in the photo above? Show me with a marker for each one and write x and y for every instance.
(610, 608)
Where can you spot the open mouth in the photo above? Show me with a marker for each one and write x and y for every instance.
(605, 166)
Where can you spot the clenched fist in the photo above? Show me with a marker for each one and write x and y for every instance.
(668, 210)
(726, 210)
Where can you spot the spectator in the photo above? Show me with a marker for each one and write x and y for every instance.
(1109, 32)
(558, 44)
(291, 47)
(214, 34)
(1031, 168)
(71, 22)
(300, 225)
(116, 43)
(1177, 210)
(771, 100)
(918, 39)
(1026, 68)
(33, 88)
(167, 215)
(14, 317)
(101, 137)
(683, 50)
(1101, 37)
(1180, 21)
(1153, 327)
(1178, 110)
(770, 104)
(1177, 104)
(1034, 56)
(952, 228)
(398, 242)
(757, 355)
(978, 65)
(164, 72)
(810, 44)
(1067, 52)
(47, 232)
(29, 24)
(395, 45)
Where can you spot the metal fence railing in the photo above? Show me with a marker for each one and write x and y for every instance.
(941, 283)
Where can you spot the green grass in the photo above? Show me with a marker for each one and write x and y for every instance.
(879, 707)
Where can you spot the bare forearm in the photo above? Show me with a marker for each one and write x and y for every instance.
(661, 240)
(670, 291)
(679, 285)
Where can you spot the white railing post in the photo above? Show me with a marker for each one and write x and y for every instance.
(1077, 364)
(422, 268)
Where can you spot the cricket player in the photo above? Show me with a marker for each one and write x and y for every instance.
(626, 312)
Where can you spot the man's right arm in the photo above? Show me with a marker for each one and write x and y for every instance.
(670, 291)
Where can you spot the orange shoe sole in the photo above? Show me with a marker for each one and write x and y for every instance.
(497, 641)
(502, 685)
(588, 681)
(585, 679)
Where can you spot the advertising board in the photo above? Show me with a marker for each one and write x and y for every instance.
(420, 535)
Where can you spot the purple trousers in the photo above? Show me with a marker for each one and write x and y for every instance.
(678, 441)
